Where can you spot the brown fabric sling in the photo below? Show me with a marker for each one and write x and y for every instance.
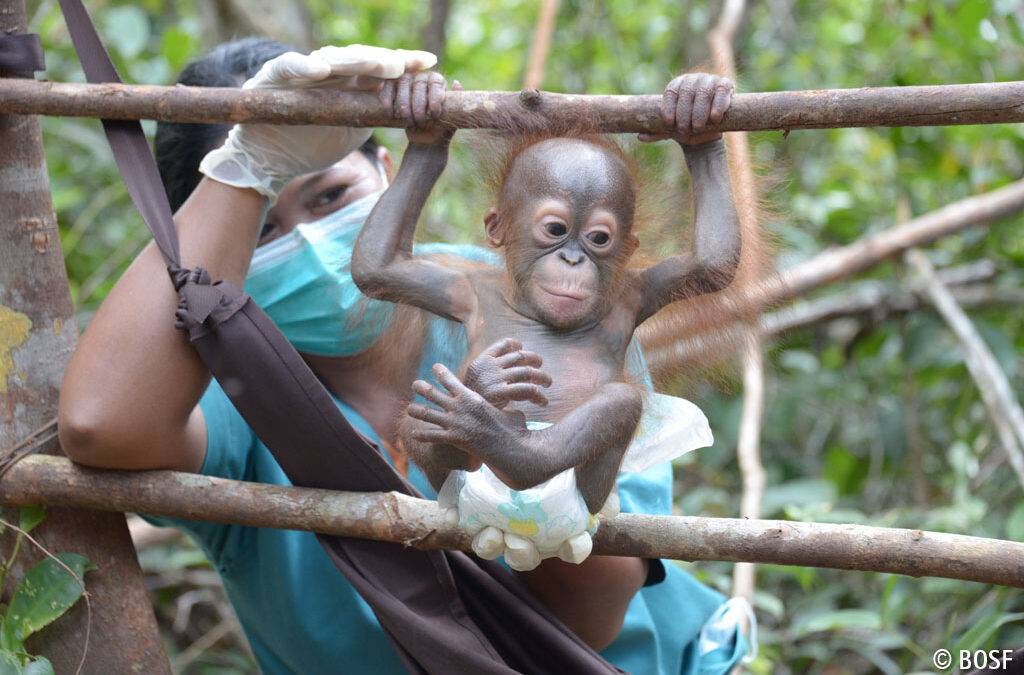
(445, 612)
(21, 54)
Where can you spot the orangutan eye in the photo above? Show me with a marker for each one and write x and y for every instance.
(599, 238)
(556, 229)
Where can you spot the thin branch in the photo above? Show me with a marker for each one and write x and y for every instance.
(145, 535)
(869, 301)
(748, 445)
(665, 349)
(721, 37)
(1000, 402)
(541, 44)
(982, 103)
(748, 452)
(200, 646)
(879, 300)
(435, 33)
(421, 524)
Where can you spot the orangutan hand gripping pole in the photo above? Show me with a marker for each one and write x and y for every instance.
(564, 220)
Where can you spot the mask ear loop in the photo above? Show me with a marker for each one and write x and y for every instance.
(729, 614)
(745, 607)
(383, 174)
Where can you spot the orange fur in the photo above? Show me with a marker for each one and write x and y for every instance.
(704, 321)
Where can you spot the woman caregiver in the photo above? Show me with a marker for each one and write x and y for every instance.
(278, 209)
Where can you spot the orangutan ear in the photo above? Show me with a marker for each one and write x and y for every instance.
(631, 244)
(493, 228)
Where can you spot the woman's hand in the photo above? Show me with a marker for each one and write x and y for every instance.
(265, 157)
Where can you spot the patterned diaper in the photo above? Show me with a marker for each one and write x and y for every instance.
(551, 519)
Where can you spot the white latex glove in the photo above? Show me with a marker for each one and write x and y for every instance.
(265, 157)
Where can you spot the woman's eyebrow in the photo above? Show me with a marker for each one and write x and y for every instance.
(308, 184)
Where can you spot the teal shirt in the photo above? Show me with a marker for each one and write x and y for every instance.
(301, 615)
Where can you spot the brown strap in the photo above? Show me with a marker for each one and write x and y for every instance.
(22, 53)
(445, 612)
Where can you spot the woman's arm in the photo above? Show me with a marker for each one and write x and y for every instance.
(130, 391)
(590, 598)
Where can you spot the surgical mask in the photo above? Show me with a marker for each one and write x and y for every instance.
(722, 641)
(303, 281)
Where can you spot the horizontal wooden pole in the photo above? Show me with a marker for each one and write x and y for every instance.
(419, 523)
(984, 103)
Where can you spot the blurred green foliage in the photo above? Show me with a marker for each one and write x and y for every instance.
(867, 421)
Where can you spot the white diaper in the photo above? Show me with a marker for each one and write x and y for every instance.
(551, 519)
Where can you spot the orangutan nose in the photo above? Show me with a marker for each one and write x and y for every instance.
(573, 256)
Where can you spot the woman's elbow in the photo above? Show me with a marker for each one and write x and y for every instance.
(90, 437)
(83, 436)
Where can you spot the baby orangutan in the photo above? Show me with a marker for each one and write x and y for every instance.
(567, 301)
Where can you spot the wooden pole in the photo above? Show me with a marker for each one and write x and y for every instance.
(541, 44)
(389, 516)
(435, 33)
(984, 103)
(665, 348)
(996, 393)
(37, 336)
(748, 444)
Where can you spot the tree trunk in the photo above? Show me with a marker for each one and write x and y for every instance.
(37, 336)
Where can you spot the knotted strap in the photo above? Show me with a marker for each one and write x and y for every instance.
(21, 53)
(445, 612)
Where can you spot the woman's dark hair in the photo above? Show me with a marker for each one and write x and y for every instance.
(181, 147)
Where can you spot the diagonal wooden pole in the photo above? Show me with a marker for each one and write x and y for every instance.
(37, 336)
(541, 44)
(664, 348)
(996, 393)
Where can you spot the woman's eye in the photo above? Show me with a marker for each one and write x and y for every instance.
(599, 238)
(328, 197)
(556, 229)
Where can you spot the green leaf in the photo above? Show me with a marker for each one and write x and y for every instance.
(43, 594)
(40, 666)
(1015, 524)
(799, 492)
(178, 46)
(978, 634)
(10, 663)
(30, 516)
(838, 620)
(844, 469)
(127, 30)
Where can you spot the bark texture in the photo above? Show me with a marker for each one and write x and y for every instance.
(37, 336)
(984, 103)
(419, 523)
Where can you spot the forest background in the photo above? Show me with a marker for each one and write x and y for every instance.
(869, 418)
